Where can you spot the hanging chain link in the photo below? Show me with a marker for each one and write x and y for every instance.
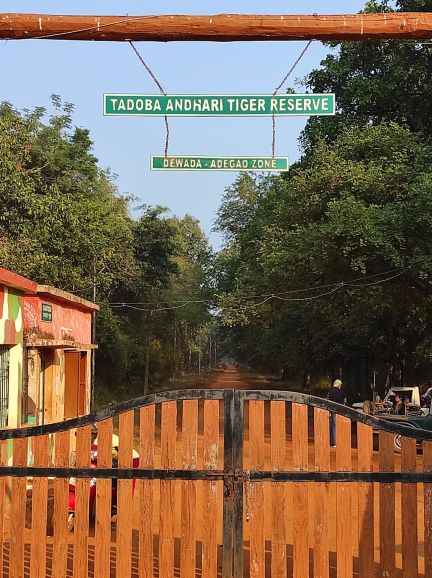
(161, 88)
(288, 74)
(247, 487)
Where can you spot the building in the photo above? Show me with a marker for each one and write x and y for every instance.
(45, 352)
(13, 288)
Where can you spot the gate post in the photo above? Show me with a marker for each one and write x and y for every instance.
(233, 485)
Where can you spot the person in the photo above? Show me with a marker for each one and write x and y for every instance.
(338, 396)
(398, 405)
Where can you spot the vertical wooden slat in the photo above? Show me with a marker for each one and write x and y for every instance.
(256, 489)
(147, 443)
(3, 486)
(82, 492)
(61, 494)
(211, 451)
(300, 491)
(343, 493)
(18, 509)
(409, 512)
(166, 522)
(39, 510)
(365, 502)
(427, 467)
(387, 506)
(188, 500)
(278, 457)
(103, 501)
(124, 497)
(229, 497)
(321, 522)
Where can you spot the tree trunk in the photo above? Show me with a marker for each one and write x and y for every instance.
(219, 27)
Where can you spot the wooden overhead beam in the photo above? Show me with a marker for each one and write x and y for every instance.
(219, 28)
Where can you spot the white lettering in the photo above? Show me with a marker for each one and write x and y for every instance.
(113, 103)
(273, 104)
(325, 103)
(261, 105)
(139, 103)
(148, 105)
(121, 105)
(307, 104)
(231, 102)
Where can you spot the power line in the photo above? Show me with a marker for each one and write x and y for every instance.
(265, 298)
(261, 295)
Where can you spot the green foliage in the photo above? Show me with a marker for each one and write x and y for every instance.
(63, 223)
(375, 82)
(358, 207)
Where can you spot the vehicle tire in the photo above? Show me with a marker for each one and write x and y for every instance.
(367, 407)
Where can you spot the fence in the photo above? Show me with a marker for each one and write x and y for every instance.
(229, 484)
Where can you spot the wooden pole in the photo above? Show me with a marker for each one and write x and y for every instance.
(220, 28)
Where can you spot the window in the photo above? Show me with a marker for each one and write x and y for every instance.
(4, 385)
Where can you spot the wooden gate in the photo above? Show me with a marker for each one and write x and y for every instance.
(230, 484)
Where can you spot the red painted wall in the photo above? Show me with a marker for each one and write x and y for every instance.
(68, 322)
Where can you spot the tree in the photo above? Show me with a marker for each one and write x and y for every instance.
(350, 212)
(375, 82)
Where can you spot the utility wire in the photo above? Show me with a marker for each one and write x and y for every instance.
(335, 287)
(279, 86)
(89, 29)
(261, 295)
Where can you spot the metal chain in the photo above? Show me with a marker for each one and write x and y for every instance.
(288, 74)
(161, 88)
(247, 487)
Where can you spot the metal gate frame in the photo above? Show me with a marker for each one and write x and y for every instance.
(233, 474)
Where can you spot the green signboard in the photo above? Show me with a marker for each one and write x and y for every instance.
(222, 105)
(46, 312)
(191, 163)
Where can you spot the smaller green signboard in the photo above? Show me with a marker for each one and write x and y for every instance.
(191, 163)
(46, 312)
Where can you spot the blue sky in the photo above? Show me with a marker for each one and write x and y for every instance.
(80, 72)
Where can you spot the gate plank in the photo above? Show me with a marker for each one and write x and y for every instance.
(61, 494)
(210, 489)
(256, 489)
(300, 491)
(103, 501)
(427, 467)
(82, 489)
(18, 509)
(39, 510)
(322, 464)
(124, 497)
(188, 498)
(147, 443)
(344, 508)
(167, 487)
(387, 506)
(366, 523)
(409, 511)
(278, 463)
